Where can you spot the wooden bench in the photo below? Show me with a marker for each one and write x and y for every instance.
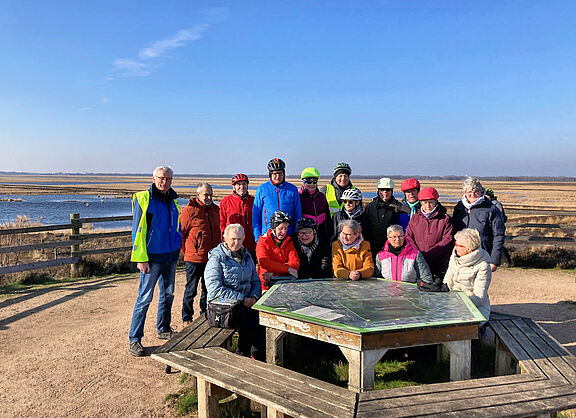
(279, 391)
(196, 335)
(546, 383)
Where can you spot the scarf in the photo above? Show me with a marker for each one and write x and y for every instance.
(469, 206)
(357, 211)
(277, 241)
(413, 207)
(355, 244)
(307, 250)
(396, 250)
(427, 215)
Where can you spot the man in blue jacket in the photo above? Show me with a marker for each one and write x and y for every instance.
(273, 196)
(156, 241)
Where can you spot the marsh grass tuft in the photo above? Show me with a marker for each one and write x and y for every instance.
(544, 258)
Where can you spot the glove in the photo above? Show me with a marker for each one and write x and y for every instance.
(432, 287)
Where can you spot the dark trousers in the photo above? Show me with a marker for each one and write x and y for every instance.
(194, 274)
(251, 335)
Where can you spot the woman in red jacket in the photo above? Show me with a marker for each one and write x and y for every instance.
(275, 251)
(430, 231)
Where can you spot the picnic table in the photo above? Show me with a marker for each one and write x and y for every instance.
(367, 318)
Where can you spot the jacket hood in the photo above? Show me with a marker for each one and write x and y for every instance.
(473, 258)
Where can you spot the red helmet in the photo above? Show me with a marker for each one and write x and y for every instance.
(410, 184)
(240, 177)
(428, 193)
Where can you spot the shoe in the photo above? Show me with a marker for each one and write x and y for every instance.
(166, 335)
(136, 349)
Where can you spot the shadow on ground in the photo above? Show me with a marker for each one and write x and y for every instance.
(76, 289)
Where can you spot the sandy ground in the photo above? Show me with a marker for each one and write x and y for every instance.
(64, 349)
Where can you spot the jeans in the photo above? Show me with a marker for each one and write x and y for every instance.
(194, 274)
(251, 335)
(164, 274)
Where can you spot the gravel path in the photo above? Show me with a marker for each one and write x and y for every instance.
(64, 347)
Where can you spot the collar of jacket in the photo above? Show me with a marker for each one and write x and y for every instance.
(170, 195)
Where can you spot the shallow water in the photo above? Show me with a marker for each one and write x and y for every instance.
(56, 209)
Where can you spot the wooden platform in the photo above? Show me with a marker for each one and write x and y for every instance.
(536, 376)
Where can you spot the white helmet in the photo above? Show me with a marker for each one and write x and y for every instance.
(352, 194)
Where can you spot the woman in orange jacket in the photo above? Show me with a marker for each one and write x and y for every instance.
(351, 255)
(275, 251)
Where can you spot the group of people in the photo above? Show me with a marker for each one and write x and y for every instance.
(236, 249)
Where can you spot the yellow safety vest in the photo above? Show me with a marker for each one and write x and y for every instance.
(139, 253)
(332, 200)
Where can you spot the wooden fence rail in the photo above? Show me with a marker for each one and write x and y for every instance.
(75, 241)
(76, 238)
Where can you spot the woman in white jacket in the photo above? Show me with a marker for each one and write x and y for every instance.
(469, 269)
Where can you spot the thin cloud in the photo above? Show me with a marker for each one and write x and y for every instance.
(149, 58)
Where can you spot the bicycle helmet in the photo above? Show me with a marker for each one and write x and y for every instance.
(342, 168)
(352, 194)
(410, 184)
(240, 177)
(309, 172)
(279, 217)
(306, 223)
(276, 164)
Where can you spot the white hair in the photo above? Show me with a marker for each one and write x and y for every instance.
(234, 228)
(468, 237)
(472, 184)
(202, 186)
(163, 168)
(350, 223)
(394, 228)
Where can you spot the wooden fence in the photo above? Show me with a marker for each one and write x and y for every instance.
(76, 238)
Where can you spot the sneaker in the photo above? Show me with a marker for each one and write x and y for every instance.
(136, 349)
(166, 335)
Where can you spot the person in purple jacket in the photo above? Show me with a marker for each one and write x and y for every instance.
(430, 231)
(314, 203)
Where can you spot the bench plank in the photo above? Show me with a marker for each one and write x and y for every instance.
(235, 373)
(181, 335)
(551, 349)
(275, 374)
(450, 387)
(533, 350)
(512, 403)
(461, 397)
(526, 363)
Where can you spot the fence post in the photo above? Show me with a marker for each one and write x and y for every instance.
(76, 225)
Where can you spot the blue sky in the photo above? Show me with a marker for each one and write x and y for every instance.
(399, 87)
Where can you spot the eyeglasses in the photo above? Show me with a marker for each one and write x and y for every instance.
(458, 245)
(305, 232)
(349, 202)
(385, 190)
(163, 178)
(311, 181)
(395, 237)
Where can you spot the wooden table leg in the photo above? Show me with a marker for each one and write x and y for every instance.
(361, 367)
(274, 346)
(460, 359)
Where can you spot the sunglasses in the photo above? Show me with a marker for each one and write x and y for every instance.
(311, 181)
(349, 202)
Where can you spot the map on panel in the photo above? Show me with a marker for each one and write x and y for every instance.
(367, 305)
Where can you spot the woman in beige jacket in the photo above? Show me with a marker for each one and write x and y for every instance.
(469, 269)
